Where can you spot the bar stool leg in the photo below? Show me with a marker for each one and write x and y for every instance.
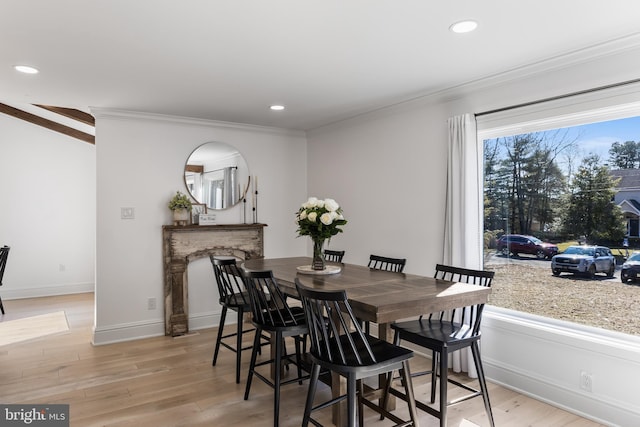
(475, 350)
(277, 379)
(444, 359)
(239, 343)
(223, 316)
(252, 364)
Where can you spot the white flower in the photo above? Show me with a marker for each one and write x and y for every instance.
(326, 218)
(312, 216)
(331, 205)
(303, 215)
(310, 203)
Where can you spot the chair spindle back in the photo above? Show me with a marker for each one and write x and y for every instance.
(378, 262)
(333, 256)
(4, 255)
(470, 316)
(268, 302)
(230, 280)
(335, 332)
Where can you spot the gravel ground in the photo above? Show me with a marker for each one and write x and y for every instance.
(608, 304)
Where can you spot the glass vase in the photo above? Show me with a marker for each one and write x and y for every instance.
(318, 262)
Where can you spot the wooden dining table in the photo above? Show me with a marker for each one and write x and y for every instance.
(376, 296)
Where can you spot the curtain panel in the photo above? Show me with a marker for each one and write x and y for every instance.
(463, 209)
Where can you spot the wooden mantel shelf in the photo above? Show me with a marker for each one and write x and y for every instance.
(181, 244)
(200, 227)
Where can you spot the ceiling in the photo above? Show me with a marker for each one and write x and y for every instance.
(325, 60)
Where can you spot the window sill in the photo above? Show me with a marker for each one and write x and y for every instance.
(563, 330)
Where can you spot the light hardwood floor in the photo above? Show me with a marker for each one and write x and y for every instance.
(166, 381)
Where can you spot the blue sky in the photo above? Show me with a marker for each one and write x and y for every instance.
(597, 137)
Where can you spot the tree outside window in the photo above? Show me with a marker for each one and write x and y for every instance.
(560, 187)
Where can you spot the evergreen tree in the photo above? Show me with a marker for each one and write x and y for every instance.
(625, 156)
(590, 210)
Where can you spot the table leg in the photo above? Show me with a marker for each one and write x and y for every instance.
(385, 333)
(339, 410)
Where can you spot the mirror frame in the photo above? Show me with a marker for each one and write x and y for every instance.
(228, 171)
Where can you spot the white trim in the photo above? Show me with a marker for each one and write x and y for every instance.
(608, 104)
(629, 208)
(569, 332)
(137, 115)
(556, 352)
(627, 44)
(47, 291)
(127, 332)
(152, 328)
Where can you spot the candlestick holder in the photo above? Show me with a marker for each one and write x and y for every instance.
(255, 207)
(244, 210)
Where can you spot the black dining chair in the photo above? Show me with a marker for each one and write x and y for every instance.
(339, 345)
(4, 255)
(233, 296)
(444, 333)
(378, 262)
(271, 314)
(333, 256)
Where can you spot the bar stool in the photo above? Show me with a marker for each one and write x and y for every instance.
(444, 333)
(272, 314)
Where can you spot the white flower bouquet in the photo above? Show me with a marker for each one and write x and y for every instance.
(320, 219)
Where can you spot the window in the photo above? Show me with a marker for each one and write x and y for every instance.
(563, 180)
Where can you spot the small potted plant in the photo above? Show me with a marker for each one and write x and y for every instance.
(181, 207)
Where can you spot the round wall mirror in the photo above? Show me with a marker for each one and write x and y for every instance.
(216, 175)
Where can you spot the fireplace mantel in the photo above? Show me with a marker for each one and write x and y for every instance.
(181, 244)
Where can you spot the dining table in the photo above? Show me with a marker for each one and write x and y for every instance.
(378, 296)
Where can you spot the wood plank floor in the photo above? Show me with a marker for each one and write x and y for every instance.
(168, 381)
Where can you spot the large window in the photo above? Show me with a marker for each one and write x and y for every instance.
(548, 189)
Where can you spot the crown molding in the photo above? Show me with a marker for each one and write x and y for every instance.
(99, 113)
(569, 59)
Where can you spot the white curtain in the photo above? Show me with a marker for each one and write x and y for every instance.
(463, 210)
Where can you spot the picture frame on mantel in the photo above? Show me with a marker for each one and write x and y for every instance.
(197, 209)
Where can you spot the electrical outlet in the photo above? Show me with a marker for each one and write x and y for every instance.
(62, 267)
(151, 304)
(586, 381)
(127, 213)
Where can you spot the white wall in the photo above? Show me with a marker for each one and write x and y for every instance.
(140, 164)
(388, 170)
(48, 211)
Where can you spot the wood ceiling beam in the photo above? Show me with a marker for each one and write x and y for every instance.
(71, 113)
(46, 123)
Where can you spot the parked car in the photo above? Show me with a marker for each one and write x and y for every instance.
(631, 268)
(521, 244)
(587, 260)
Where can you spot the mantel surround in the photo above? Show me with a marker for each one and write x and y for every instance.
(181, 244)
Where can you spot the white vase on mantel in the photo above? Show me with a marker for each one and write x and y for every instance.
(180, 217)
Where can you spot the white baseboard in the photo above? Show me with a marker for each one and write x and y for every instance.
(127, 332)
(155, 328)
(47, 291)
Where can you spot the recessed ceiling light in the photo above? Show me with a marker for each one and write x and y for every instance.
(26, 69)
(277, 107)
(464, 26)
